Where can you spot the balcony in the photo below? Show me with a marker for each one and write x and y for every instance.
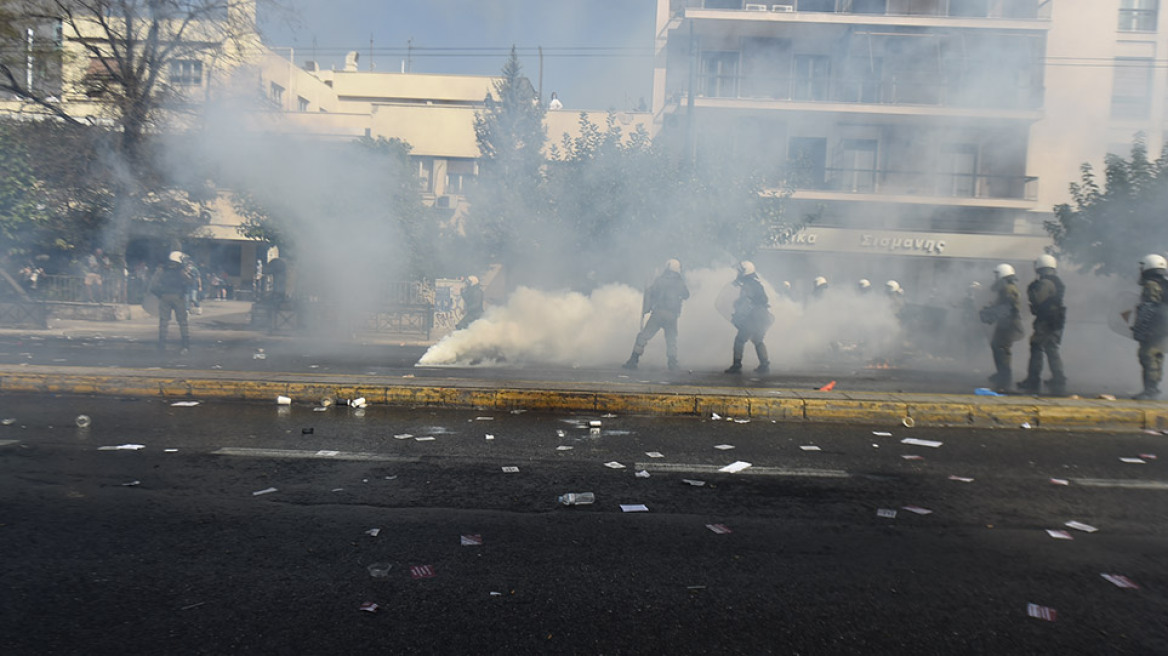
(992, 9)
(913, 89)
(914, 186)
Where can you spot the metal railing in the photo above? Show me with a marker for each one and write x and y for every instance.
(915, 89)
(917, 183)
(1000, 9)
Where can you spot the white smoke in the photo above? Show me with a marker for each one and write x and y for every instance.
(569, 328)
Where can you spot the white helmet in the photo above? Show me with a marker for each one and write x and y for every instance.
(1003, 271)
(673, 265)
(1153, 261)
(892, 287)
(176, 256)
(820, 281)
(472, 280)
(1045, 261)
(745, 268)
(864, 283)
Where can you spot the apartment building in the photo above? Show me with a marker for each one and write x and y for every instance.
(906, 124)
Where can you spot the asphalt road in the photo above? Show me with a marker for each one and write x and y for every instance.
(149, 551)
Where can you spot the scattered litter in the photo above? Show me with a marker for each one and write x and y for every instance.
(425, 438)
(985, 391)
(828, 387)
(642, 474)
(887, 513)
(908, 422)
(564, 448)
(519, 411)
(634, 507)
(1134, 461)
(324, 453)
(724, 447)
(471, 540)
(1026, 425)
(810, 448)
(742, 421)
(373, 531)
(402, 436)
(915, 442)
(1060, 481)
(320, 408)
(881, 434)
(83, 421)
(510, 470)
(283, 400)
(1149, 431)
(307, 431)
(358, 402)
(379, 570)
(1080, 526)
(7, 422)
(692, 482)
(577, 498)
(913, 457)
(170, 450)
(720, 529)
(489, 436)
(695, 588)
(267, 490)
(132, 484)
(655, 454)
(594, 431)
(391, 478)
(918, 510)
(327, 401)
(122, 447)
(595, 423)
(713, 415)
(1120, 581)
(1059, 535)
(614, 465)
(337, 489)
(496, 594)
(184, 404)
(484, 419)
(1148, 456)
(369, 606)
(962, 479)
(422, 571)
(1106, 397)
(259, 355)
(193, 605)
(1041, 612)
(734, 467)
(560, 433)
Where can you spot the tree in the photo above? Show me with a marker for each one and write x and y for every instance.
(508, 201)
(23, 202)
(1107, 229)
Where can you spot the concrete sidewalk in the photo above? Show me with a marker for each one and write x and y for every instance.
(226, 322)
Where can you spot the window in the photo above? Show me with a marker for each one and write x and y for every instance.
(425, 173)
(857, 165)
(807, 161)
(186, 72)
(301, 104)
(276, 94)
(1138, 15)
(720, 74)
(1131, 95)
(958, 170)
(812, 77)
(459, 173)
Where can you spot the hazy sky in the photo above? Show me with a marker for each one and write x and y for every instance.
(597, 53)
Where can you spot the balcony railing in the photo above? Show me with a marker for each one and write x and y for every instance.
(1002, 9)
(892, 90)
(917, 183)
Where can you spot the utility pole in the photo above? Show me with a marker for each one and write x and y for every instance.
(541, 75)
(409, 54)
(371, 65)
(691, 146)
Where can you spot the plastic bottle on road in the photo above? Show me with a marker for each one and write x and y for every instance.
(577, 498)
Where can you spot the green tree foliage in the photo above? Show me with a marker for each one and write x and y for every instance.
(508, 201)
(23, 202)
(1107, 229)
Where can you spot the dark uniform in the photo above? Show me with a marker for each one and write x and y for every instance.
(1050, 317)
(472, 300)
(1006, 316)
(752, 319)
(662, 302)
(171, 284)
(1150, 330)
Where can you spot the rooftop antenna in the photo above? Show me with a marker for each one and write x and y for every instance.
(409, 53)
(371, 64)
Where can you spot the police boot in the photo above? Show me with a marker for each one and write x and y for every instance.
(1031, 385)
(764, 363)
(631, 363)
(673, 366)
(1057, 386)
(1151, 391)
(735, 368)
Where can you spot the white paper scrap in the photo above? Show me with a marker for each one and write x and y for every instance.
(642, 474)
(960, 478)
(489, 436)
(810, 448)
(887, 513)
(373, 532)
(918, 510)
(484, 419)
(724, 447)
(913, 457)
(882, 434)
(595, 423)
(634, 507)
(735, 467)
(122, 447)
(563, 447)
(1080, 526)
(1134, 461)
(720, 529)
(184, 404)
(614, 465)
(320, 408)
(690, 481)
(132, 484)
(742, 421)
(715, 416)
(1041, 612)
(914, 441)
(1121, 581)
(267, 490)
(403, 436)
(327, 454)
(510, 470)
(1060, 481)
(170, 450)
(427, 438)
(1059, 535)
(655, 454)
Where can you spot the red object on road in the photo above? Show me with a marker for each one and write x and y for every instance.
(422, 571)
(828, 387)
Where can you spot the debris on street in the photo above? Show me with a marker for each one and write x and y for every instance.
(634, 507)
(373, 532)
(810, 447)
(887, 513)
(915, 442)
(422, 571)
(267, 490)
(83, 421)
(614, 465)
(735, 467)
(1080, 526)
(1059, 535)
(510, 470)
(654, 454)
(1120, 581)
(917, 509)
(185, 404)
(642, 474)
(369, 607)
(724, 447)
(693, 483)
(962, 479)
(720, 529)
(1041, 612)
(577, 498)
(1060, 481)
(471, 540)
(283, 400)
(122, 447)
